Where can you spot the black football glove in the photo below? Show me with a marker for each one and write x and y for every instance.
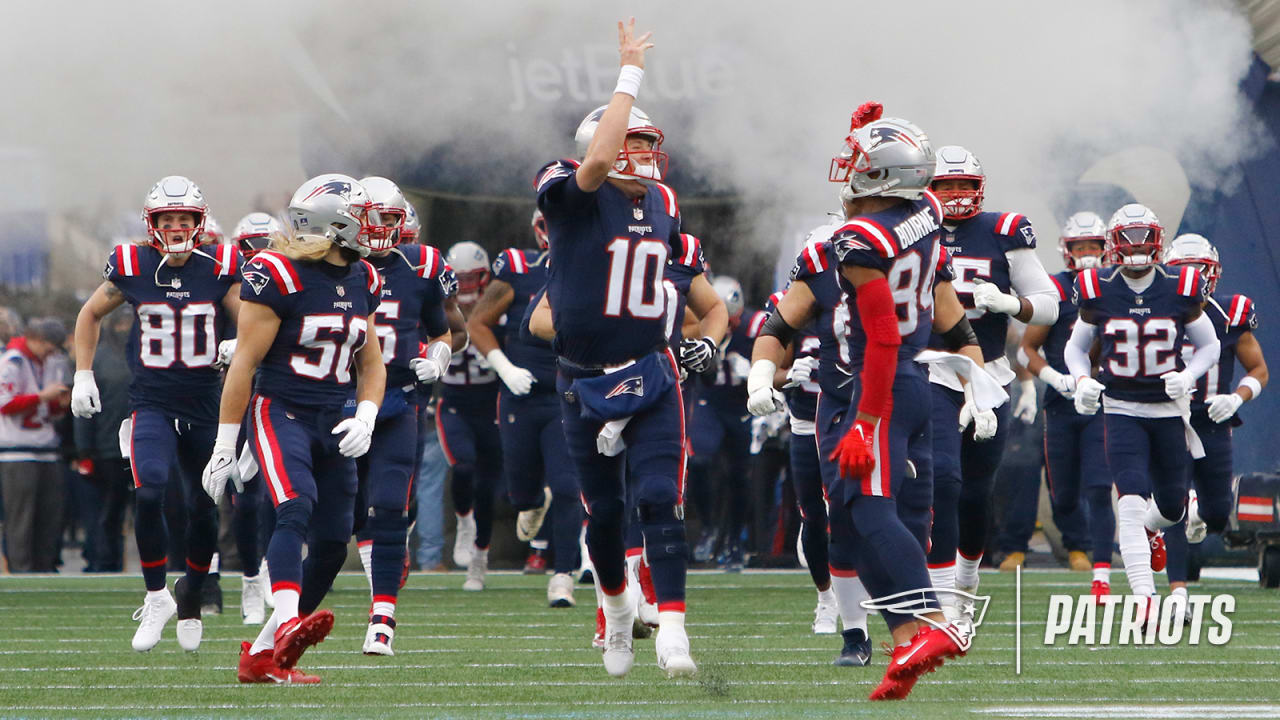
(697, 356)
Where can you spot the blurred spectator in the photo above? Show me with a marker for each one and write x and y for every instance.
(10, 324)
(33, 483)
(97, 441)
(429, 487)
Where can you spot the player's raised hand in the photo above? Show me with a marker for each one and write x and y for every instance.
(631, 48)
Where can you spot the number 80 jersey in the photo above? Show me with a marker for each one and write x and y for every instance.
(179, 321)
(324, 321)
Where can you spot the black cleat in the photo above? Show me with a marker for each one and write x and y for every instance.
(857, 649)
(210, 596)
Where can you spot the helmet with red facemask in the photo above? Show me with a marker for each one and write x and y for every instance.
(956, 163)
(1197, 251)
(174, 194)
(644, 165)
(336, 207)
(1134, 237)
(540, 233)
(470, 264)
(882, 157)
(1083, 226)
(254, 232)
(212, 234)
(392, 209)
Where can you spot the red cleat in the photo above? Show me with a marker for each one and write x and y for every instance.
(1158, 556)
(295, 636)
(261, 668)
(890, 689)
(535, 564)
(597, 642)
(923, 654)
(1100, 590)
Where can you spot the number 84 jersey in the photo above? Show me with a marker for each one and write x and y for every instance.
(179, 321)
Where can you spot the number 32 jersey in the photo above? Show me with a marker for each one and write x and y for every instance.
(324, 321)
(179, 321)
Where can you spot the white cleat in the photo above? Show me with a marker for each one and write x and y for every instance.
(619, 655)
(560, 591)
(377, 639)
(672, 645)
(252, 601)
(1196, 528)
(189, 633)
(529, 522)
(476, 570)
(152, 616)
(825, 616)
(464, 540)
(264, 577)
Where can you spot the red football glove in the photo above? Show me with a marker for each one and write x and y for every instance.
(853, 454)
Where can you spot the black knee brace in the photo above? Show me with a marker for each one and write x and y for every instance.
(664, 534)
(387, 525)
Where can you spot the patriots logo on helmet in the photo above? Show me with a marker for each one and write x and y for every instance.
(887, 134)
(333, 187)
(630, 386)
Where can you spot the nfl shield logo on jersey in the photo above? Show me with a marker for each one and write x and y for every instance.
(341, 291)
(630, 386)
(638, 212)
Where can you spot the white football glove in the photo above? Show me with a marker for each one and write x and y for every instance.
(762, 398)
(1065, 385)
(1088, 395)
(1178, 385)
(226, 349)
(984, 421)
(357, 432)
(801, 371)
(222, 463)
(1025, 409)
(1222, 407)
(517, 379)
(85, 402)
(987, 296)
(432, 367)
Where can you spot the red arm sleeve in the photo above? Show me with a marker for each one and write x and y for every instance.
(880, 361)
(21, 405)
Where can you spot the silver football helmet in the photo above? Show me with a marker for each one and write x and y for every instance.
(337, 207)
(644, 165)
(540, 232)
(409, 233)
(1082, 226)
(392, 208)
(889, 157)
(212, 234)
(470, 264)
(174, 193)
(254, 232)
(730, 292)
(1134, 236)
(1193, 249)
(957, 163)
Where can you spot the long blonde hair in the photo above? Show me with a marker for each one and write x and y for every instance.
(301, 247)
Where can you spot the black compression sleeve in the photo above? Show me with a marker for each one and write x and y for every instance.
(959, 335)
(778, 328)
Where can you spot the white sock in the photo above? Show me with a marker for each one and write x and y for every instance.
(266, 639)
(383, 608)
(849, 594)
(213, 564)
(670, 620)
(1156, 521)
(286, 605)
(1134, 547)
(943, 577)
(1102, 572)
(828, 597)
(536, 544)
(365, 550)
(967, 571)
(617, 606)
(1179, 591)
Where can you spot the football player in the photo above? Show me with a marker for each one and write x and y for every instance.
(533, 446)
(1075, 462)
(1214, 402)
(307, 318)
(1140, 310)
(184, 300)
(993, 255)
(613, 226)
(255, 232)
(466, 423)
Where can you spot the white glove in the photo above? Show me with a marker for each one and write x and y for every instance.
(984, 421)
(762, 398)
(222, 463)
(85, 402)
(357, 432)
(226, 349)
(987, 296)
(1222, 407)
(1178, 385)
(801, 371)
(518, 380)
(1025, 409)
(1088, 395)
(432, 367)
(1064, 384)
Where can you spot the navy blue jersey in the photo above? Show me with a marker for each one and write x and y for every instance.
(324, 321)
(802, 400)
(728, 387)
(1232, 316)
(903, 243)
(526, 272)
(977, 247)
(608, 255)
(415, 283)
(677, 278)
(816, 267)
(1055, 345)
(180, 320)
(1140, 333)
(470, 383)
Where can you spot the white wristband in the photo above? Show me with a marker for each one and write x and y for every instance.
(498, 361)
(1252, 383)
(1049, 375)
(629, 78)
(760, 375)
(83, 376)
(228, 433)
(367, 412)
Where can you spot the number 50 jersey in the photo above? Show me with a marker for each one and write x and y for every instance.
(180, 320)
(324, 321)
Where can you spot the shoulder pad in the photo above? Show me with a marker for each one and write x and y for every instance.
(448, 281)
(1240, 312)
(374, 280)
(429, 262)
(1016, 225)
(1087, 287)
(669, 199)
(691, 252)
(812, 259)
(553, 170)
(125, 260)
(513, 258)
(757, 321)
(776, 298)
(869, 233)
(279, 268)
(1062, 291)
(1190, 283)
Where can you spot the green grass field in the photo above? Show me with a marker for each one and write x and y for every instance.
(64, 651)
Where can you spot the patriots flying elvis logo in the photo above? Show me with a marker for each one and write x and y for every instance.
(333, 187)
(630, 386)
(882, 135)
